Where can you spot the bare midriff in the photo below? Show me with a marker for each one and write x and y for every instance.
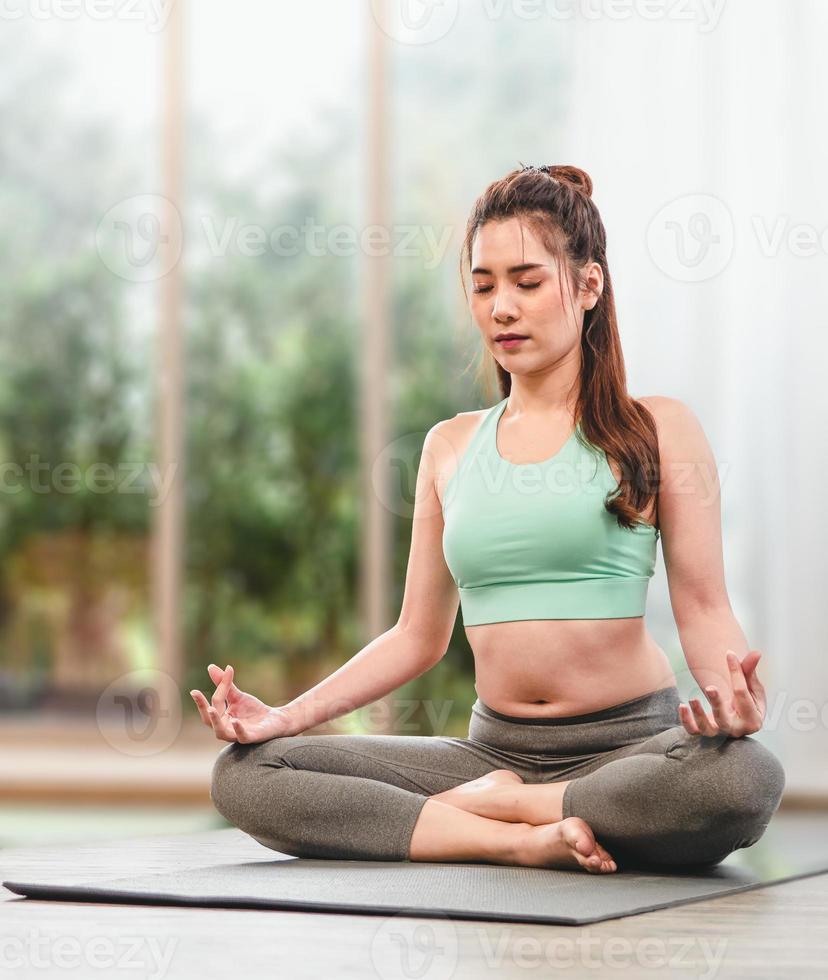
(554, 667)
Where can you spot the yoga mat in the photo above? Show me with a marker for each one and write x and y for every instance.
(446, 890)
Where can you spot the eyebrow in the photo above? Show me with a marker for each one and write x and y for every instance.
(515, 268)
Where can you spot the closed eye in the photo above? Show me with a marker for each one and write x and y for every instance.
(521, 285)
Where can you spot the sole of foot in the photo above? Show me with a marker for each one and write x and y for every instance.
(568, 843)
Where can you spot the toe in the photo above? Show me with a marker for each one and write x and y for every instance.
(589, 853)
(579, 837)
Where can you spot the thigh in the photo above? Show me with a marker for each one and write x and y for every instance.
(663, 743)
(425, 764)
(729, 773)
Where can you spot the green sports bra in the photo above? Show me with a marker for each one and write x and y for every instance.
(535, 541)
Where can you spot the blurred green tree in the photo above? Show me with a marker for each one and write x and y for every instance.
(272, 359)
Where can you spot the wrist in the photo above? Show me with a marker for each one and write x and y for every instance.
(290, 718)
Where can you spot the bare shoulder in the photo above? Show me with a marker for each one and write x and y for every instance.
(680, 433)
(667, 409)
(662, 406)
(456, 428)
(446, 442)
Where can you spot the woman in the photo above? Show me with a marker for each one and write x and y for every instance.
(540, 516)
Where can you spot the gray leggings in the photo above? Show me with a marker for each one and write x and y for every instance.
(651, 792)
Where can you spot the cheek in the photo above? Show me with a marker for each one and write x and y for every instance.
(480, 309)
(547, 298)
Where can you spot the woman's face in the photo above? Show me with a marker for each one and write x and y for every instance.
(516, 288)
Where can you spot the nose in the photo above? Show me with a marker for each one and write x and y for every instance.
(502, 309)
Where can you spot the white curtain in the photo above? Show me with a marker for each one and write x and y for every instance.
(722, 123)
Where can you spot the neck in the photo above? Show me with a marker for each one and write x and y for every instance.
(552, 397)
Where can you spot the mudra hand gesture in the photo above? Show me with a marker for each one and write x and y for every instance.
(236, 716)
(737, 712)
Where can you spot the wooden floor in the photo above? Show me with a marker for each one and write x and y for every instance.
(774, 932)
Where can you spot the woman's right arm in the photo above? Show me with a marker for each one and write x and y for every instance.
(420, 637)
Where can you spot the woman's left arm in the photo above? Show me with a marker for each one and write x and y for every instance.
(728, 678)
(689, 518)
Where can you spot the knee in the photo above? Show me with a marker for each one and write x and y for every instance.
(242, 780)
(748, 780)
(755, 779)
(230, 780)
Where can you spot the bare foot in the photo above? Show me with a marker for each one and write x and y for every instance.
(568, 843)
(461, 796)
(503, 795)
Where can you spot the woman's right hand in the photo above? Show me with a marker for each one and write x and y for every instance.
(235, 716)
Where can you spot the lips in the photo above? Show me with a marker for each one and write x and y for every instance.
(511, 336)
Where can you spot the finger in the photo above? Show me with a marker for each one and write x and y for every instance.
(749, 714)
(758, 695)
(233, 691)
(749, 663)
(686, 716)
(746, 707)
(219, 698)
(744, 704)
(221, 726)
(240, 731)
(747, 719)
(737, 676)
(202, 704)
(755, 686)
(216, 675)
(706, 725)
(721, 712)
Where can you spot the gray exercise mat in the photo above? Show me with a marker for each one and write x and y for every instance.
(455, 891)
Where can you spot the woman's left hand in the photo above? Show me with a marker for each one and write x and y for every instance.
(740, 712)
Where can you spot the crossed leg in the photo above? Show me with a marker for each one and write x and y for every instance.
(369, 797)
(671, 799)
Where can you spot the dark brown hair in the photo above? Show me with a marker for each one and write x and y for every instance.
(556, 203)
